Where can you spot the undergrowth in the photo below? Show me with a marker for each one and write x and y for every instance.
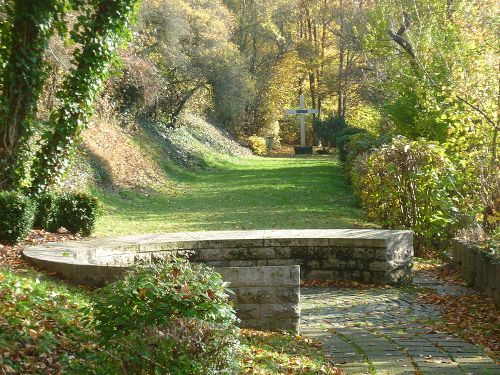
(43, 331)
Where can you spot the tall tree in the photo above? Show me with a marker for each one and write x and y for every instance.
(32, 157)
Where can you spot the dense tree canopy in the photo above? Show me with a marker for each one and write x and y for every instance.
(419, 69)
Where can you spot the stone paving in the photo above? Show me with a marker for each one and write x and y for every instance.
(382, 331)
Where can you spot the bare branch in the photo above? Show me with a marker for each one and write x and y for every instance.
(398, 36)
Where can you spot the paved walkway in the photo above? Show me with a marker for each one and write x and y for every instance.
(382, 331)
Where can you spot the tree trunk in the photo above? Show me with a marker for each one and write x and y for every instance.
(22, 85)
(340, 74)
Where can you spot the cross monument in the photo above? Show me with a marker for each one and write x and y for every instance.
(302, 112)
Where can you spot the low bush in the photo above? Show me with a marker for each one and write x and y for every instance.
(343, 139)
(77, 212)
(257, 145)
(17, 213)
(171, 318)
(46, 211)
(407, 184)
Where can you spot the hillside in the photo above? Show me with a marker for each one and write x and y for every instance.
(149, 158)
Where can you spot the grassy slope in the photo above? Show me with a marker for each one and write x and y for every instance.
(246, 193)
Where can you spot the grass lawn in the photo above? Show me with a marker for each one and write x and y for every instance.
(41, 317)
(246, 193)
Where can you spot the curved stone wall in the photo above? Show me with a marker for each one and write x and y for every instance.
(280, 257)
(365, 255)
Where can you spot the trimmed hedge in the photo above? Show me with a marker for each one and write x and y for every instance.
(77, 212)
(17, 213)
(46, 212)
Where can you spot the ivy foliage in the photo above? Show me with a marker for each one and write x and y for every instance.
(99, 33)
(32, 159)
(25, 31)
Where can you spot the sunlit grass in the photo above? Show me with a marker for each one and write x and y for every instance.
(247, 193)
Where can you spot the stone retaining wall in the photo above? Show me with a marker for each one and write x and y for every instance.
(477, 269)
(370, 256)
(265, 297)
(374, 256)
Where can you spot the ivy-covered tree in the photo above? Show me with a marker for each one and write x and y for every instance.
(31, 155)
(25, 32)
(99, 32)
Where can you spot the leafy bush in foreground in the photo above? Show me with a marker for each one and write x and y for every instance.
(17, 213)
(358, 144)
(407, 184)
(173, 318)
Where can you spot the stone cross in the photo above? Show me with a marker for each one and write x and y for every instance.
(302, 112)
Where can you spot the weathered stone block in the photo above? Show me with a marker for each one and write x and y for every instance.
(142, 258)
(256, 295)
(230, 242)
(274, 242)
(331, 263)
(377, 266)
(287, 295)
(366, 276)
(351, 265)
(313, 264)
(283, 262)
(318, 275)
(242, 263)
(363, 253)
(211, 254)
(248, 312)
(380, 254)
(283, 252)
(279, 311)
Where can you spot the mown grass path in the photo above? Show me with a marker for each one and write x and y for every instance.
(251, 193)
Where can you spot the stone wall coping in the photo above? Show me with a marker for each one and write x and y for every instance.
(83, 251)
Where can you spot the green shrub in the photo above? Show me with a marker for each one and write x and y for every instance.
(46, 211)
(17, 213)
(359, 143)
(343, 140)
(407, 184)
(171, 318)
(257, 145)
(77, 212)
(328, 130)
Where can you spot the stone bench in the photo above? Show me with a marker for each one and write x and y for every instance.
(364, 255)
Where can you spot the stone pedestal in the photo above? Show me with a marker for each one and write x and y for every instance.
(303, 150)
